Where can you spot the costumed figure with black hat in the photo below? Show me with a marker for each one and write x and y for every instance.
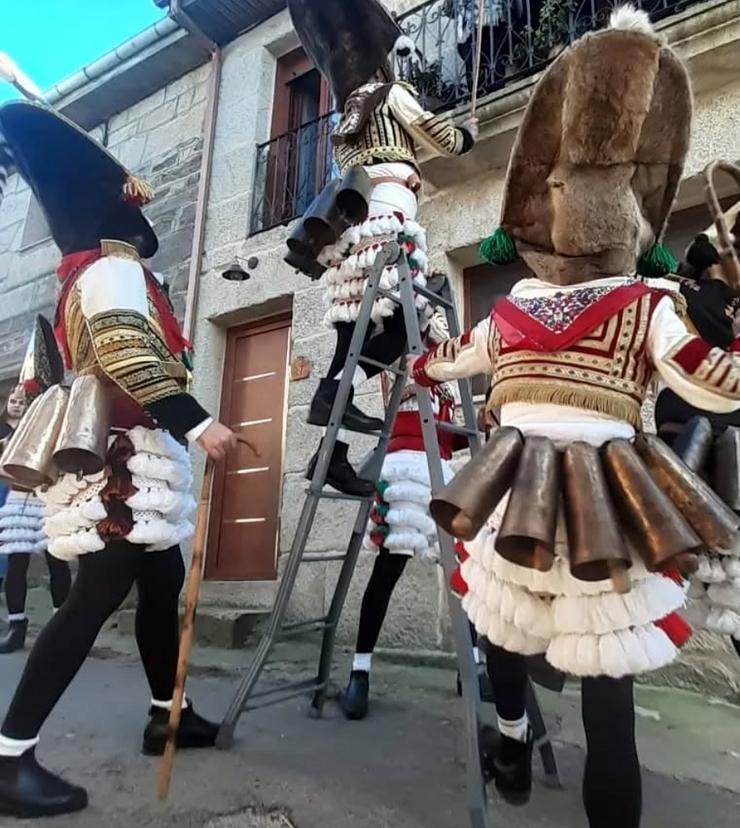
(709, 442)
(376, 145)
(580, 529)
(22, 515)
(400, 524)
(122, 504)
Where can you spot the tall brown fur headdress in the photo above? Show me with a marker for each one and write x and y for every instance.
(599, 156)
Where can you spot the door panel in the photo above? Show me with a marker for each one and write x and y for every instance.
(245, 507)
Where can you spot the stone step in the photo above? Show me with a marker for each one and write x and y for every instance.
(225, 628)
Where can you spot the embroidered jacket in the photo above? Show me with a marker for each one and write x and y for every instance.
(112, 323)
(593, 346)
(395, 127)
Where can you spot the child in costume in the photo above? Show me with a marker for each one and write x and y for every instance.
(582, 560)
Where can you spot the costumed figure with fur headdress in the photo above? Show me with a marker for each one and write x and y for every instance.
(22, 515)
(122, 505)
(376, 144)
(708, 441)
(581, 528)
(400, 524)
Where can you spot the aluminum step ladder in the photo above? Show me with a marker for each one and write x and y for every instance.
(318, 687)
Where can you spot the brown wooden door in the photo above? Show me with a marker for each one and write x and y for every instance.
(245, 506)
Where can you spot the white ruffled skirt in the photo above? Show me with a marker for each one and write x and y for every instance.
(405, 493)
(714, 596)
(583, 628)
(162, 506)
(354, 254)
(22, 525)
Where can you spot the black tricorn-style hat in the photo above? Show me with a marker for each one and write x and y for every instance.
(85, 193)
(347, 40)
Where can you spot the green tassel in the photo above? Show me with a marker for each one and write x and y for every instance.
(382, 487)
(499, 248)
(656, 262)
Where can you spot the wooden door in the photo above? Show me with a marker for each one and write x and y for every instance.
(245, 506)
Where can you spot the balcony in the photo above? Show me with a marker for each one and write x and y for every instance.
(291, 170)
(519, 39)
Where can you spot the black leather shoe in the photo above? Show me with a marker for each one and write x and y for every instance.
(355, 699)
(513, 769)
(16, 638)
(341, 476)
(194, 732)
(354, 419)
(28, 791)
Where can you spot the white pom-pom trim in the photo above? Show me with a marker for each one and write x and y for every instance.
(628, 18)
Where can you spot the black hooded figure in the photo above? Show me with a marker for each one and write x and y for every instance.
(382, 126)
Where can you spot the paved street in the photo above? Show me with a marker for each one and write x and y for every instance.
(399, 768)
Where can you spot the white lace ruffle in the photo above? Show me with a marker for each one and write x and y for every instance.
(583, 628)
(350, 259)
(161, 507)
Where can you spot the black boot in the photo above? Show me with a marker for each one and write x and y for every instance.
(194, 732)
(28, 791)
(16, 637)
(512, 769)
(341, 476)
(354, 700)
(354, 419)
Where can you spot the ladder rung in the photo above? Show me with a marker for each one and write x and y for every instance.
(456, 429)
(281, 694)
(383, 366)
(317, 557)
(342, 496)
(386, 294)
(299, 625)
(432, 296)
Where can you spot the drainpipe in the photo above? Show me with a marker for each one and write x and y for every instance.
(204, 186)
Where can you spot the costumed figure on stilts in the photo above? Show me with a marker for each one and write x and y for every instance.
(400, 524)
(580, 529)
(709, 442)
(22, 515)
(122, 503)
(376, 144)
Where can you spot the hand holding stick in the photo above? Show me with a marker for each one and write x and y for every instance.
(188, 626)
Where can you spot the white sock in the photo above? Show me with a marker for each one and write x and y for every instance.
(362, 662)
(167, 705)
(17, 616)
(359, 378)
(13, 748)
(516, 729)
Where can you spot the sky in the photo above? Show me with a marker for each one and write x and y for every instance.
(51, 39)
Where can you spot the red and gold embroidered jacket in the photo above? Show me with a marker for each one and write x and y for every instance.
(593, 346)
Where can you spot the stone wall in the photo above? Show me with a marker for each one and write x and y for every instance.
(159, 139)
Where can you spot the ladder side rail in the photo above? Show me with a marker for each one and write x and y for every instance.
(475, 786)
(387, 255)
(310, 507)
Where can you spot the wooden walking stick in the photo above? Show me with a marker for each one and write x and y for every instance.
(195, 577)
(478, 56)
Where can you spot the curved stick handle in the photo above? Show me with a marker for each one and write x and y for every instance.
(727, 253)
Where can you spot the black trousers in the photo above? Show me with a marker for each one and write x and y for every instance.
(104, 580)
(612, 782)
(16, 588)
(385, 345)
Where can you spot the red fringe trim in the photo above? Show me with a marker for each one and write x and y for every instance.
(458, 585)
(118, 488)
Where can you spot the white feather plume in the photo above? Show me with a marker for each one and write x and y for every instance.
(629, 18)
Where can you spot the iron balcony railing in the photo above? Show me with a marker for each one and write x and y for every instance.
(291, 170)
(519, 38)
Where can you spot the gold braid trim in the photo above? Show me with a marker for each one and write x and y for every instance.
(610, 403)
